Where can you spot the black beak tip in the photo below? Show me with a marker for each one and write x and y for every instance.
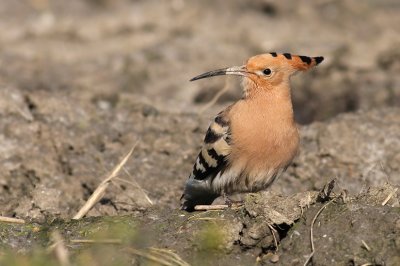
(318, 59)
(202, 76)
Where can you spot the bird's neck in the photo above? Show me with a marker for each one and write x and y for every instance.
(273, 101)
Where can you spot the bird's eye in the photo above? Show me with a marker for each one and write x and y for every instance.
(267, 71)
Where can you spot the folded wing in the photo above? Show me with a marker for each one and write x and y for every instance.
(211, 161)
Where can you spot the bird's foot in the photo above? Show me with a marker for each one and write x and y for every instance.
(232, 203)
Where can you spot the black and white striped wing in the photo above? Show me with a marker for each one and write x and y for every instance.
(212, 157)
(211, 160)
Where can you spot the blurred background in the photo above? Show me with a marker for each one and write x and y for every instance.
(81, 81)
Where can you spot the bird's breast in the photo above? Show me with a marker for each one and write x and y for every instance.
(263, 140)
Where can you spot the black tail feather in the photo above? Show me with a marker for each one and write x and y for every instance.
(188, 203)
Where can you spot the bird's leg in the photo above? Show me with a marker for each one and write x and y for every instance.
(229, 201)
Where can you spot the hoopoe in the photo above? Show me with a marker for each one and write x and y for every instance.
(251, 142)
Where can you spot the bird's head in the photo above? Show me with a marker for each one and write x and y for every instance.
(267, 70)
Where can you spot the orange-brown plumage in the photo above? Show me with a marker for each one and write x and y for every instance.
(254, 140)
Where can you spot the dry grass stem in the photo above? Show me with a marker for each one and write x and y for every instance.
(312, 231)
(365, 245)
(26, 114)
(210, 207)
(100, 190)
(197, 215)
(309, 258)
(150, 256)
(389, 197)
(216, 96)
(273, 231)
(169, 254)
(208, 219)
(11, 220)
(96, 241)
(59, 249)
(136, 184)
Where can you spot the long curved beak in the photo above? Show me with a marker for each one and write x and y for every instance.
(236, 70)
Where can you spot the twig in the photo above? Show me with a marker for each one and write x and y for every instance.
(100, 190)
(210, 207)
(59, 249)
(389, 197)
(11, 220)
(312, 231)
(96, 241)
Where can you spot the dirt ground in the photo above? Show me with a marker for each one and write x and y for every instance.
(82, 81)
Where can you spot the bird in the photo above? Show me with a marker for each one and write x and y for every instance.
(251, 142)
